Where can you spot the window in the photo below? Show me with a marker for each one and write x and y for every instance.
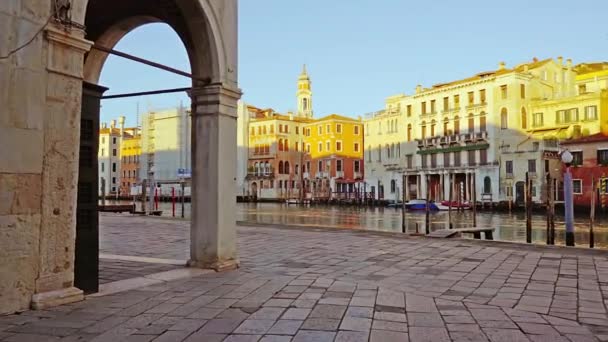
(577, 186)
(328, 128)
(379, 153)
(591, 113)
(503, 92)
(433, 128)
(113, 167)
(388, 151)
(432, 106)
(535, 146)
(577, 157)
(524, 119)
(103, 167)
(483, 157)
(457, 158)
(339, 165)
(356, 147)
(487, 185)
(356, 128)
(471, 96)
(281, 169)
(602, 157)
(482, 123)
(113, 182)
(280, 144)
(522, 91)
(471, 123)
(560, 116)
(409, 132)
(286, 129)
(338, 128)
(456, 125)
(446, 158)
(307, 166)
(307, 148)
(409, 110)
(320, 147)
(297, 130)
(446, 103)
(114, 152)
(393, 186)
(509, 167)
(319, 129)
(504, 119)
(264, 130)
(339, 146)
(252, 130)
(482, 96)
(423, 129)
(369, 153)
(471, 157)
(409, 158)
(423, 108)
(446, 125)
(259, 130)
(124, 173)
(582, 89)
(357, 166)
(532, 165)
(286, 145)
(320, 166)
(456, 101)
(286, 168)
(433, 160)
(537, 119)
(328, 145)
(297, 146)
(423, 159)
(114, 140)
(271, 129)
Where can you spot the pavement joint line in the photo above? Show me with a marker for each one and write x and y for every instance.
(142, 259)
(148, 280)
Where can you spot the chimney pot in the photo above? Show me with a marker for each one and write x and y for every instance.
(501, 66)
(569, 63)
(560, 60)
(418, 89)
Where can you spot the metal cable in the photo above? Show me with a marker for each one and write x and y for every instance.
(12, 52)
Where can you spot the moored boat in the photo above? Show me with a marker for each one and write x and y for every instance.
(420, 204)
(456, 205)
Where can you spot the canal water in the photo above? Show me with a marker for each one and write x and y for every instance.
(509, 227)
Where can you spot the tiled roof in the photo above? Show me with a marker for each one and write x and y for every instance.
(585, 140)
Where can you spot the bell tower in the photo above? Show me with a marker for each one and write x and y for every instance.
(304, 95)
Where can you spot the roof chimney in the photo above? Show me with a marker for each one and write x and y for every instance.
(113, 124)
(501, 66)
(569, 63)
(560, 61)
(418, 89)
(534, 59)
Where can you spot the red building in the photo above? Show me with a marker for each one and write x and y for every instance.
(590, 164)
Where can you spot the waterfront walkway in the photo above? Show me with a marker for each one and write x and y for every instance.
(333, 285)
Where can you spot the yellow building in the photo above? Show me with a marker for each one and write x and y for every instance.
(281, 159)
(130, 153)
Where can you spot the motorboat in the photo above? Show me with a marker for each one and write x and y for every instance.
(456, 205)
(420, 204)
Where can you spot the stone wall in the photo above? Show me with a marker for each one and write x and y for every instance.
(40, 89)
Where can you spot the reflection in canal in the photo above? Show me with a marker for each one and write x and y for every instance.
(509, 227)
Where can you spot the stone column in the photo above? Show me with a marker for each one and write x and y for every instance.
(213, 225)
(64, 64)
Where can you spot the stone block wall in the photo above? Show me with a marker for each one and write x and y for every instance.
(40, 90)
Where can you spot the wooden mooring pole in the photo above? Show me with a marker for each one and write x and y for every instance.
(427, 208)
(404, 187)
(548, 233)
(528, 209)
(450, 199)
(474, 198)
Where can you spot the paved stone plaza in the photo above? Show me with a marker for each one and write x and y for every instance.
(336, 285)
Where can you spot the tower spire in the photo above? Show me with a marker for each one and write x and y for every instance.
(304, 94)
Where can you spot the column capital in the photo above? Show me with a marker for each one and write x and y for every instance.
(215, 99)
(66, 50)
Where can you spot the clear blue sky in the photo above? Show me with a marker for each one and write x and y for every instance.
(358, 52)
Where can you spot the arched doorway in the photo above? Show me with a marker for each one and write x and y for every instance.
(214, 95)
(254, 190)
(208, 29)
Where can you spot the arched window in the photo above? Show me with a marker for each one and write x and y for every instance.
(272, 129)
(297, 146)
(446, 127)
(504, 119)
(259, 130)
(388, 151)
(471, 123)
(281, 167)
(296, 169)
(524, 119)
(267, 168)
(264, 129)
(482, 122)
(393, 186)
(280, 144)
(305, 103)
(393, 150)
(487, 185)
(256, 168)
(280, 128)
(286, 145)
(409, 132)
(286, 168)
(456, 125)
(433, 124)
(423, 129)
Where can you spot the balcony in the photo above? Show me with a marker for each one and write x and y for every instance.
(444, 140)
(306, 175)
(358, 175)
(322, 175)
(469, 137)
(340, 174)
(481, 136)
(420, 142)
(477, 105)
(451, 110)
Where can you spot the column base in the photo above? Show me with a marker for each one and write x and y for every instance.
(41, 301)
(570, 239)
(218, 266)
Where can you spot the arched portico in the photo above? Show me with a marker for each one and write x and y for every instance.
(46, 168)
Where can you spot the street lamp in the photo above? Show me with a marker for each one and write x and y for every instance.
(567, 158)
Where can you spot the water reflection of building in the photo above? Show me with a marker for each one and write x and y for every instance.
(493, 128)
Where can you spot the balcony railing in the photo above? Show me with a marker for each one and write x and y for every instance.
(340, 174)
(322, 175)
(477, 105)
(358, 175)
(306, 175)
(451, 110)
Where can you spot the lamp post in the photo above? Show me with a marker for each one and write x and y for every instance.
(566, 157)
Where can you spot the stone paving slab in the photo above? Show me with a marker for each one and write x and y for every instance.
(322, 285)
(115, 270)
